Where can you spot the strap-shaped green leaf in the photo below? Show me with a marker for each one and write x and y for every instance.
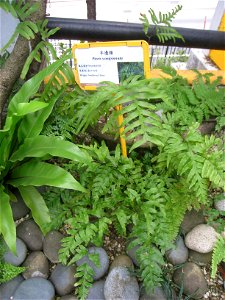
(40, 146)
(40, 173)
(7, 226)
(27, 108)
(36, 203)
(32, 124)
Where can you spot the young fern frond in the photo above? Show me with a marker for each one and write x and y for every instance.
(165, 32)
(218, 255)
(18, 9)
(26, 29)
(42, 49)
(84, 279)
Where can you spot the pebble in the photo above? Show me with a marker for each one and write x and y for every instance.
(68, 297)
(132, 253)
(96, 292)
(35, 289)
(36, 265)
(99, 272)
(191, 219)
(191, 279)
(179, 254)
(63, 279)
(19, 208)
(21, 253)
(201, 238)
(201, 259)
(52, 244)
(220, 204)
(30, 233)
(8, 288)
(157, 294)
(122, 261)
(120, 284)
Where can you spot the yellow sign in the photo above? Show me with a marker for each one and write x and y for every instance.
(109, 61)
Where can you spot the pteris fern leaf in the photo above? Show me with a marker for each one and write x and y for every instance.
(165, 32)
(218, 255)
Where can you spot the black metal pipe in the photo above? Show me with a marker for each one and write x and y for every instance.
(91, 30)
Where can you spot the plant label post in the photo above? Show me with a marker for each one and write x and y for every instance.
(110, 61)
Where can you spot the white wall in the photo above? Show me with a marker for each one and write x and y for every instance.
(7, 27)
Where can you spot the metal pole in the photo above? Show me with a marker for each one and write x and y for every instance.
(92, 30)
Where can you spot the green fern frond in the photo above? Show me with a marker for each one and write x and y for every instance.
(8, 272)
(84, 279)
(218, 255)
(18, 9)
(165, 32)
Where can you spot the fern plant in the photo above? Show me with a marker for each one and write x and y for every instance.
(142, 99)
(7, 271)
(218, 255)
(165, 32)
(142, 192)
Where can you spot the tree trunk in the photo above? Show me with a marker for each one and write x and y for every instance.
(91, 9)
(13, 66)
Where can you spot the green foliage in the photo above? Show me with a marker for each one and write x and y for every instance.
(84, 275)
(126, 191)
(25, 28)
(23, 150)
(7, 271)
(142, 99)
(29, 30)
(149, 193)
(216, 217)
(218, 255)
(165, 32)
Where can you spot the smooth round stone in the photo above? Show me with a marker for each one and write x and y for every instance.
(19, 208)
(120, 284)
(122, 261)
(30, 233)
(63, 279)
(36, 265)
(220, 204)
(132, 253)
(21, 253)
(179, 254)
(103, 259)
(200, 259)
(68, 297)
(52, 244)
(96, 292)
(157, 294)
(191, 279)
(8, 288)
(35, 289)
(201, 238)
(191, 219)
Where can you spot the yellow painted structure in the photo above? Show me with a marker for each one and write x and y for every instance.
(218, 56)
(190, 75)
